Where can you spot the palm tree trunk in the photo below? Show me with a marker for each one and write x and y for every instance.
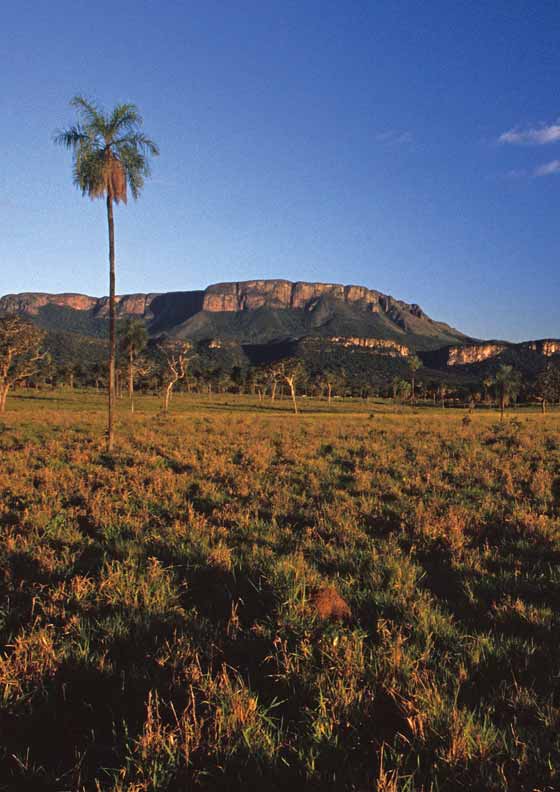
(112, 326)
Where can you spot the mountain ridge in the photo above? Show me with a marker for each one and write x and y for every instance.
(265, 309)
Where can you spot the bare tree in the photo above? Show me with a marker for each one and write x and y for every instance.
(20, 353)
(292, 371)
(177, 358)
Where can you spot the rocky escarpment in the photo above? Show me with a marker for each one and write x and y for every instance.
(329, 308)
(545, 346)
(222, 297)
(282, 294)
(380, 345)
(468, 354)
(30, 303)
(473, 353)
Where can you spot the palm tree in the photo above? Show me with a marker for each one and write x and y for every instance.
(111, 154)
(134, 340)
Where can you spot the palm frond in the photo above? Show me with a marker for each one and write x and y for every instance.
(89, 172)
(139, 140)
(89, 111)
(70, 138)
(124, 117)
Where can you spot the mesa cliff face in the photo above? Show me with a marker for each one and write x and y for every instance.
(283, 294)
(221, 297)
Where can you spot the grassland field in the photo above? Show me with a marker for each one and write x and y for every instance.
(158, 615)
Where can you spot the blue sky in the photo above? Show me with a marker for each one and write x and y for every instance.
(412, 147)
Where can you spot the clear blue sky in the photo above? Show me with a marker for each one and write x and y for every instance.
(411, 147)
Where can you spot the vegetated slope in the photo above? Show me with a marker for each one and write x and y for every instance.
(328, 317)
(159, 625)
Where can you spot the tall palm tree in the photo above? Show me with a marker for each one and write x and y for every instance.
(111, 154)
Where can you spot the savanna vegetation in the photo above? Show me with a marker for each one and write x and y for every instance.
(359, 597)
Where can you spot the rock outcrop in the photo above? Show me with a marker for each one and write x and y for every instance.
(380, 345)
(477, 353)
(473, 353)
(31, 302)
(546, 346)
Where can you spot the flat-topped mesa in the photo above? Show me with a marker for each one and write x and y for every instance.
(282, 294)
(221, 297)
(383, 346)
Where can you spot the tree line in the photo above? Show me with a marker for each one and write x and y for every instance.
(163, 365)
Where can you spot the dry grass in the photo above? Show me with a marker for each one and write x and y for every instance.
(243, 599)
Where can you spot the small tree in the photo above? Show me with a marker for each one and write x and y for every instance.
(414, 363)
(442, 392)
(330, 380)
(548, 385)
(20, 353)
(134, 340)
(176, 357)
(257, 379)
(274, 376)
(487, 384)
(401, 389)
(508, 382)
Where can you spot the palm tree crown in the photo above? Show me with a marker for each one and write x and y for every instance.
(111, 153)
